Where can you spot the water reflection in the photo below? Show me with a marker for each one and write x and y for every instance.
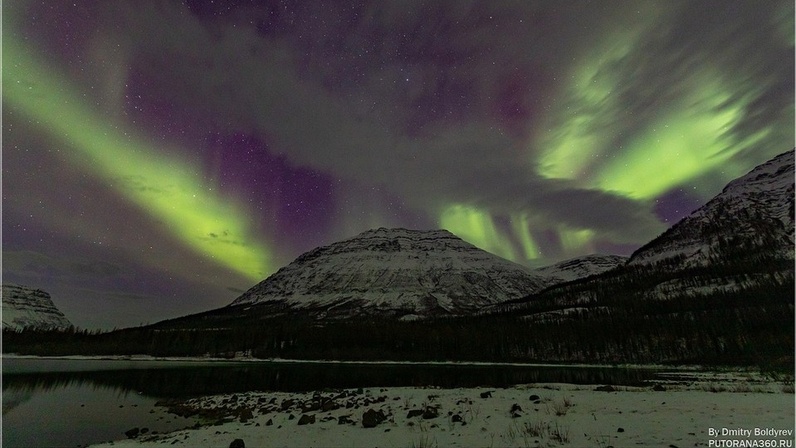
(77, 413)
(13, 398)
(212, 378)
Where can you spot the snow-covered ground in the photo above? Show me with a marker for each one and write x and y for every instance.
(695, 409)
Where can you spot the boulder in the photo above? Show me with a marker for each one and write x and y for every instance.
(310, 406)
(132, 433)
(237, 443)
(306, 419)
(516, 411)
(430, 412)
(245, 415)
(371, 418)
(329, 405)
(286, 404)
(414, 413)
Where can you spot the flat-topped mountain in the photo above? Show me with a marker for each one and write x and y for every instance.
(25, 307)
(408, 273)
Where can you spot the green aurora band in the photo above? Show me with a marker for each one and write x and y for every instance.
(680, 146)
(165, 187)
(691, 133)
(477, 227)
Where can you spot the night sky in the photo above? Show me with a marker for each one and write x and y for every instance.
(161, 157)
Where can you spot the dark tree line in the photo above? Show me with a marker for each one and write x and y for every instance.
(722, 328)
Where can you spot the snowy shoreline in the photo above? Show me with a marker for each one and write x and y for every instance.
(668, 413)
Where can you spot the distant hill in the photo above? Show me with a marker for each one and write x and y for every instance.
(581, 267)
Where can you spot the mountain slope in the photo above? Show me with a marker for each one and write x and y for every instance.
(30, 308)
(756, 210)
(716, 287)
(581, 267)
(407, 273)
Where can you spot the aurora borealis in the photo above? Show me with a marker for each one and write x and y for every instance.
(161, 157)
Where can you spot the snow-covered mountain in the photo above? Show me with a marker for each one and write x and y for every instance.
(740, 242)
(25, 307)
(581, 267)
(755, 210)
(405, 273)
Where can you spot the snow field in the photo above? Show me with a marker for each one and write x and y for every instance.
(684, 414)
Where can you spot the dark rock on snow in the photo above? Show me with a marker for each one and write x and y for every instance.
(516, 411)
(430, 412)
(371, 418)
(132, 433)
(414, 413)
(306, 419)
(245, 415)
